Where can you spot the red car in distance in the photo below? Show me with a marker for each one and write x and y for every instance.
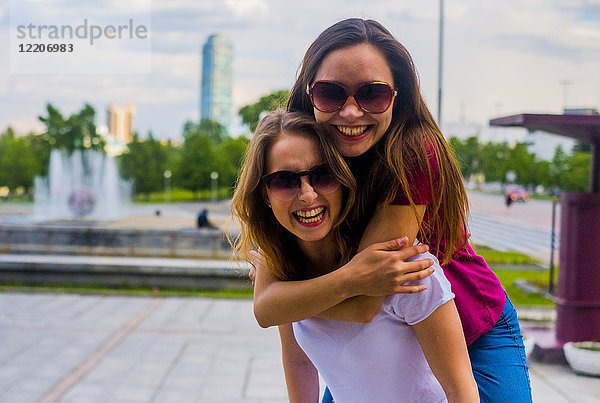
(516, 194)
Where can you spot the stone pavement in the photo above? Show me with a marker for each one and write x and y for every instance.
(73, 348)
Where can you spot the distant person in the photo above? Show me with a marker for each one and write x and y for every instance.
(359, 81)
(202, 221)
(291, 203)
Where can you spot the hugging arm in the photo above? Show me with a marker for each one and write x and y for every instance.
(301, 376)
(353, 292)
(442, 340)
(388, 222)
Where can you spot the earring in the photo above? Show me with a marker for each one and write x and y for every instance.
(269, 204)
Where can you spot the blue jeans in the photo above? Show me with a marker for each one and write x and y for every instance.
(498, 361)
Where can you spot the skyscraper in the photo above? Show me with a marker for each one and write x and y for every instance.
(119, 120)
(217, 80)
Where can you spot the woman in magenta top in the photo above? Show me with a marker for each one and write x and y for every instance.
(359, 81)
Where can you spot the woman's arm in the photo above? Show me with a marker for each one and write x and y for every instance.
(355, 291)
(301, 377)
(388, 222)
(379, 270)
(443, 342)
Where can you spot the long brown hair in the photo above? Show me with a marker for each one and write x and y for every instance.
(259, 227)
(412, 143)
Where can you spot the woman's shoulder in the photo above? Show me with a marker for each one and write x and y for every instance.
(420, 179)
(413, 308)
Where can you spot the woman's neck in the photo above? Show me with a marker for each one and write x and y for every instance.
(320, 255)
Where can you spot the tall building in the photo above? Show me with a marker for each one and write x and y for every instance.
(217, 80)
(120, 122)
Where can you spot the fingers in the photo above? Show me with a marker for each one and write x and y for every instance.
(394, 244)
(410, 289)
(419, 271)
(412, 251)
(417, 275)
(252, 274)
(255, 259)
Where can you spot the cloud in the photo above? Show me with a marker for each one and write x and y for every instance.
(509, 52)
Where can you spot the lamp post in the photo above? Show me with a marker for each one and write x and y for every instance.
(167, 174)
(214, 181)
(565, 84)
(440, 63)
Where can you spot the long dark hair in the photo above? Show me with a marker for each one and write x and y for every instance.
(412, 144)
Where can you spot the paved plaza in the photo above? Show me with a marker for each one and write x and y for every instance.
(74, 348)
(86, 348)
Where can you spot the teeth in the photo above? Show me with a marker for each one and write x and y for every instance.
(310, 213)
(309, 216)
(352, 131)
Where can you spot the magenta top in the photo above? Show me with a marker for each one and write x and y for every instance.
(479, 297)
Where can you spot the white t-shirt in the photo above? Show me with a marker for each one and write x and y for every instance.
(379, 361)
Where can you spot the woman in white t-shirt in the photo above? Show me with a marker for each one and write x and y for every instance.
(293, 199)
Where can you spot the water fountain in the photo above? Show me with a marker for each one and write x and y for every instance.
(71, 236)
(80, 185)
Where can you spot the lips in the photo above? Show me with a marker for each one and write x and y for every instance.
(310, 217)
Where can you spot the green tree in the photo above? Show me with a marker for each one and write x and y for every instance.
(41, 148)
(145, 164)
(18, 163)
(493, 161)
(78, 132)
(207, 148)
(228, 157)
(215, 132)
(522, 162)
(173, 159)
(197, 162)
(468, 154)
(543, 170)
(577, 175)
(558, 167)
(251, 113)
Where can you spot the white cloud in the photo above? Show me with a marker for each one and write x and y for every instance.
(248, 8)
(512, 53)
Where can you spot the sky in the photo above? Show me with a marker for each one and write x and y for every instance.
(500, 57)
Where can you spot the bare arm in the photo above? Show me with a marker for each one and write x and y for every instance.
(443, 342)
(388, 222)
(378, 270)
(301, 377)
(375, 271)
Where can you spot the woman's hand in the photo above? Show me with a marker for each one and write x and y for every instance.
(382, 269)
(257, 258)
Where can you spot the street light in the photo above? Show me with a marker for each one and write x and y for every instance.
(214, 180)
(167, 175)
(440, 63)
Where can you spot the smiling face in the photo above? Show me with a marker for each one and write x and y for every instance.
(310, 215)
(356, 130)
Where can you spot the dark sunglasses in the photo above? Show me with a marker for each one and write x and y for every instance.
(329, 97)
(285, 185)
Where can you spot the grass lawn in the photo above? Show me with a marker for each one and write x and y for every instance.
(519, 297)
(125, 290)
(493, 256)
(497, 260)
(182, 195)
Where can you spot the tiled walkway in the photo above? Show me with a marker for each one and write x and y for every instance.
(73, 348)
